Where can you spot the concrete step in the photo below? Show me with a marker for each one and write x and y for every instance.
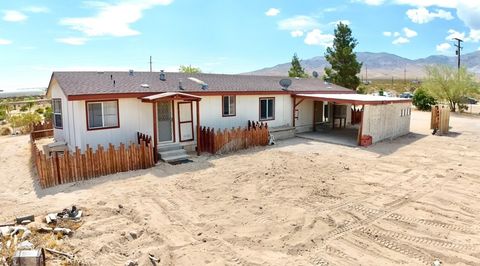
(174, 158)
(171, 153)
(169, 147)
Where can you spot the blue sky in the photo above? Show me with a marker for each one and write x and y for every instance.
(221, 36)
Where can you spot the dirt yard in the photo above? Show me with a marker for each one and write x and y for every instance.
(401, 202)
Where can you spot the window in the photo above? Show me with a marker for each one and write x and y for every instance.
(57, 113)
(101, 115)
(228, 107)
(267, 109)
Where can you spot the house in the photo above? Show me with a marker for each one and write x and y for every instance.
(92, 108)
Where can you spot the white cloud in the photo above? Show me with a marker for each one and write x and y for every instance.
(428, 3)
(113, 19)
(467, 11)
(5, 42)
(272, 12)
(296, 33)
(371, 2)
(14, 16)
(73, 40)
(298, 23)
(422, 15)
(409, 33)
(474, 35)
(400, 40)
(387, 33)
(396, 34)
(452, 34)
(344, 21)
(37, 9)
(443, 47)
(316, 37)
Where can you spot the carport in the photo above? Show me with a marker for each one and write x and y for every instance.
(378, 117)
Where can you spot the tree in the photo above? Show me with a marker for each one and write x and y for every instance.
(48, 114)
(344, 65)
(296, 70)
(448, 84)
(189, 69)
(422, 100)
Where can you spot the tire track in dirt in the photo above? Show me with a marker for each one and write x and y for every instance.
(419, 240)
(411, 220)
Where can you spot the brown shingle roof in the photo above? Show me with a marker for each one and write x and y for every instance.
(87, 83)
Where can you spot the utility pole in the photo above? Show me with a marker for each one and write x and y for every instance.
(366, 73)
(459, 48)
(150, 63)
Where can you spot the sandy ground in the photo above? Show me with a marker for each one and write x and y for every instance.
(301, 202)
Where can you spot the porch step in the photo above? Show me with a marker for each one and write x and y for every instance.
(172, 154)
(169, 147)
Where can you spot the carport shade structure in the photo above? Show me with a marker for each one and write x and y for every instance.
(348, 98)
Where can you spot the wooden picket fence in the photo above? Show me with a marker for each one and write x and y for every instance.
(42, 130)
(66, 167)
(228, 140)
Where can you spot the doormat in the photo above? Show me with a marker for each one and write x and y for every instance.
(181, 162)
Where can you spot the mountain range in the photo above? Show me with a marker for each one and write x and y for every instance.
(382, 65)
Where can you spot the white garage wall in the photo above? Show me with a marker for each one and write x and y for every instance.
(386, 121)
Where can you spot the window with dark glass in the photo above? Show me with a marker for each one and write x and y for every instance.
(57, 113)
(102, 114)
(229, 105)
(267, 108)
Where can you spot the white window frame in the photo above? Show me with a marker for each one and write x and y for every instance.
(229, 97)
(103, 115)
(56, 112)
(266, 111)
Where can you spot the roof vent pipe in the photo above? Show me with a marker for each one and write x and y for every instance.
(130, 72)
(162, 76)
(111, 77)
(113, 83)
(180, 86)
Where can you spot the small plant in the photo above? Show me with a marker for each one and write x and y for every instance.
(48, 113)
(24, 108)
(40, 110)
(422, 100)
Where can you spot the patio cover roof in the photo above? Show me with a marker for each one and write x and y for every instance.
(357, 99)
(170, 96)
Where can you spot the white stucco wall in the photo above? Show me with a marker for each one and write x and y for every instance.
(385, 121)
(247, 108)
(134, 116)
(57, 93)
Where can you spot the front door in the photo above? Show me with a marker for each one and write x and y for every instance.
(165, 121)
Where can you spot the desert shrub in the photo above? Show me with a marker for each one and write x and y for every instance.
(6, 131)
(381, 92)
(422, 100)
(3, 115)
(25, 121)
(362, 89)
(24, 108)
(48, 113)
(40, 110)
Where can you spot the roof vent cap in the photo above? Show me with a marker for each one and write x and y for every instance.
(205, 86)
(180, 85)
(162, 76)
(130, 72)
(145, 86)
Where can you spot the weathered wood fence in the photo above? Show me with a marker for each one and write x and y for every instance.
(228, 140)
(440, 118)
(42, 130)
(356, 116)
(66, 167)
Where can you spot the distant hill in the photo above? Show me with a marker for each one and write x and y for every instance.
(381, 65)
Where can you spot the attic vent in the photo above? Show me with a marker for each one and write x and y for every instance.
(201, 82)
(162, 76)
(130, 72)
(145, 86)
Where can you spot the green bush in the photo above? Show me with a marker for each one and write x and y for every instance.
(3, 115)
(362, 89)
(40, 110)
(48, 114)
(24, 121)
(422, 100)
(24, 108)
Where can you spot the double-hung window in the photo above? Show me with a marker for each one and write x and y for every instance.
(57, 113)
(267, 109)
(101, 115)
(228, 105)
